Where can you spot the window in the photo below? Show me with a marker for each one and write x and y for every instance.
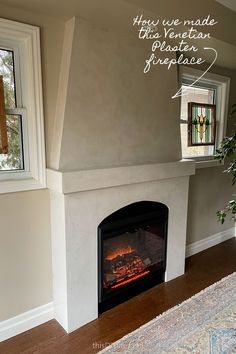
(22, 165)
(204, 102)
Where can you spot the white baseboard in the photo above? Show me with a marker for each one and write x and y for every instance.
(210, 241)
(26, 321)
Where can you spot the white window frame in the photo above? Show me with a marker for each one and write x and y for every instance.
(24, 39)
(222, 85)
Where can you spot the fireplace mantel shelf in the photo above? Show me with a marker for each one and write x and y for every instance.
(85, 180)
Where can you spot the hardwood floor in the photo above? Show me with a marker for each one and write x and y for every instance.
(202, 270)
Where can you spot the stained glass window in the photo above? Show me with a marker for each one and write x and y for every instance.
(201, 124)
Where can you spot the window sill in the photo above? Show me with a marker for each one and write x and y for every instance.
(205, 163)
(20, 185)
(208, 163)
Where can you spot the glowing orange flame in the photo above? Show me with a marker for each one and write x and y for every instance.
(119, 252)
(130, 280)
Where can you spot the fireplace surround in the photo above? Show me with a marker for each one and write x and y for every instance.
(81, 200)
(131, 252)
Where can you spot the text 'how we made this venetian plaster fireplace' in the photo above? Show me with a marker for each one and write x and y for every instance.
(131, 252)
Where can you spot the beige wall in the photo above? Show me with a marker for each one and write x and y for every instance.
(108, 94)
(52, 32)
(210, 188)
(25, 252)
(115, 115)
(208, 192)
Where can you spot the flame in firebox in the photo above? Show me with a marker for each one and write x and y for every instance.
(130, 280)
(119, 252)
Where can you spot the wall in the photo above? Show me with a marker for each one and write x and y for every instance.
(115, 114)
(209, 191)
(51, 32)
(210, 188)
(25, 252)
(112, 98)
(25, 249)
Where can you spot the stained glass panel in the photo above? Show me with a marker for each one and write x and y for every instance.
(201, 124)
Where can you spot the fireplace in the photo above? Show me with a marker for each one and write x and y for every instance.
(131, 252)
(81, 202)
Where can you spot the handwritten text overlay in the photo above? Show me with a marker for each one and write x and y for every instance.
(177, 32)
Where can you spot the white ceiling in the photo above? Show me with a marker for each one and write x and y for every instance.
(231, 4)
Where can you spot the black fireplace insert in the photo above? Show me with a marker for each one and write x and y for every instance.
(131, 252)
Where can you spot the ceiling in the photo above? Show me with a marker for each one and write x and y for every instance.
(69, 8)
(231, 4)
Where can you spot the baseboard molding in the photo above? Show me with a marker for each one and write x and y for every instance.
(26, 321)
(210, 241)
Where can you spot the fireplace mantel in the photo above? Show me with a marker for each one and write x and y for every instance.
(78, 181)
(80, 200)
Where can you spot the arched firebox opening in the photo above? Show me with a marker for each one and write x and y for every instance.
(131, 252)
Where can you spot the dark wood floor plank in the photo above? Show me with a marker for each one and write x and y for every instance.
(202, 270)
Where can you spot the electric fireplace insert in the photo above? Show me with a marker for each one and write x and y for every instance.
(131, 252)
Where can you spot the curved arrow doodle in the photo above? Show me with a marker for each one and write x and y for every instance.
(183, 91)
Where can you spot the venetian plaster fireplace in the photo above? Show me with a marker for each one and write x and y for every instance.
(82, 200)
(131, 252)
(111, 147)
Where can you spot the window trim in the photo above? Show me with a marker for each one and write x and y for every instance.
(26, 39)
(222, 83)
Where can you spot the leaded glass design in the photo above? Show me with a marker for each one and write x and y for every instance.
(201, 124)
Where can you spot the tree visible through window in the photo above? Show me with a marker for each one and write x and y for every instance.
(13, 160)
